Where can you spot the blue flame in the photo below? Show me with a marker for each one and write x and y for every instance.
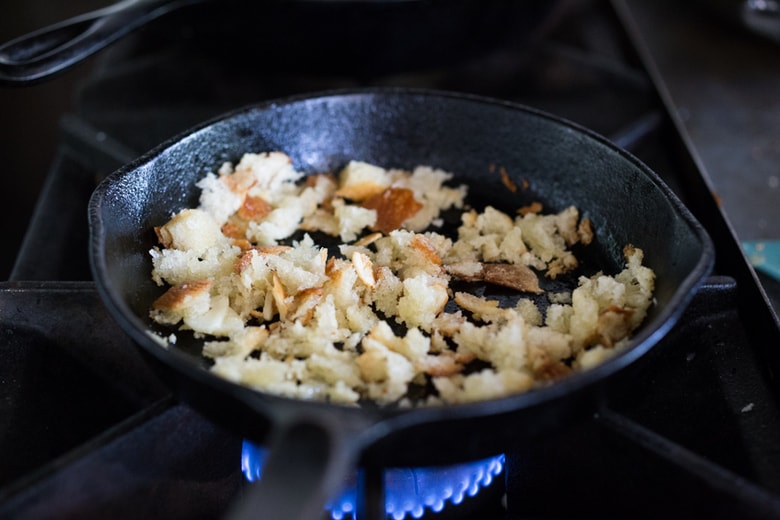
(408, 491)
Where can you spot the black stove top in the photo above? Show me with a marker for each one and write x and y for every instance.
(88, 430)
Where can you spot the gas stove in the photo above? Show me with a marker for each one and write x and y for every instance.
(89, 430)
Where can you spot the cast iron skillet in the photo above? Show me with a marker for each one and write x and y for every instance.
(313, 444)
(336, 36)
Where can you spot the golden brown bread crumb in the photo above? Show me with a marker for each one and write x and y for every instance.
(506, 180)
(176, 297)
(585, 232)
(534, 207)
(514, 276)
(393, 207)
(254, 208)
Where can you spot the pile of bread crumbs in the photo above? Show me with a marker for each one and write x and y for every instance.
(377, 316)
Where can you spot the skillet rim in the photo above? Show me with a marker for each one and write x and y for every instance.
(650, 333)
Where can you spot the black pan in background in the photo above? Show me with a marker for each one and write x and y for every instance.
(313, 444)
(359, 37)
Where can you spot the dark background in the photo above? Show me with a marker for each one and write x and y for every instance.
(30, 121)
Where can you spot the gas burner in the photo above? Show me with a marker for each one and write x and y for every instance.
(409, 492)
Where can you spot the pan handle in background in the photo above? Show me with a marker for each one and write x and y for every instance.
(307, 464)
(45, 52)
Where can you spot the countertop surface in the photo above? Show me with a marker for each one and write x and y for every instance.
(723, 84)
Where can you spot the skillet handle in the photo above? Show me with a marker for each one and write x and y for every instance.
(40, 54)
(306, 465)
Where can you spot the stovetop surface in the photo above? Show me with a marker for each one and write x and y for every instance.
(88, 430)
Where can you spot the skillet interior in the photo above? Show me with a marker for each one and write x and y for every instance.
(466, 135)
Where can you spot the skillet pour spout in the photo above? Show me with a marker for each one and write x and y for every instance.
(561, 164)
